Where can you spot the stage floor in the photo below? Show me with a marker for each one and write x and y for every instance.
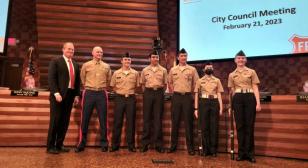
(12, 157)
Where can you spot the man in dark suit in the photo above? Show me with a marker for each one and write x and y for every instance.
(64, 84)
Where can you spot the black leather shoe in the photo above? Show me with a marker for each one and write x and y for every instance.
(171, 150)
(205, 154)
(144, 149)
(52, 151)
(131, 149)
(113, 149)
(191, 152)
(252, 159)
(79, 149)
(104, 149)
(240, 158)
(159, 150)
(63, 149)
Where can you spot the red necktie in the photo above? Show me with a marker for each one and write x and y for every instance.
(72, 75)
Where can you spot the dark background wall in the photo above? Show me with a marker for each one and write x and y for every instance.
(280, 75)
(22, 26)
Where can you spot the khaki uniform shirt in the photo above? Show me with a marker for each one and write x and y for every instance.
(209, 85)
(125, 83)
(183, 78)
(243, 79)
(154, 78)
(95, 74)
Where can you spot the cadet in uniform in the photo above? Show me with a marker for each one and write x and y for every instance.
(124, 82)
(154, 81)
(95, 76)
(208, 105)
(243, 83)
(182, 79)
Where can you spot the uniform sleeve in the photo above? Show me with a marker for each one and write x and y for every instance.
(138, 79)
(197, 86)
(109, 76)
(219, 87)
(170, 78)
(254, 77)
(196, 77)
(112, 81)
(83, 74)
(142, 78)
(230, 81)
(165, 77)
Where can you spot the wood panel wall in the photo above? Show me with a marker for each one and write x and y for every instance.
(281, 127)
(118, 26)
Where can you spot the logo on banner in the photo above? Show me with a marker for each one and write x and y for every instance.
(300, 44)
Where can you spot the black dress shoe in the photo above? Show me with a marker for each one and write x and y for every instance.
(144, 149)
(252, 159)
(52, 151)
(240, 158)
(171, 150)
(63, 149)
(159, 149)
(191, 152)
(113, 149)
(131, 149)
(104, 149)
(205, 154)
(79, 149)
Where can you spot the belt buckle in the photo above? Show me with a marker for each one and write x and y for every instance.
(245, 90)
(211, 96)
(126, 95)
(203, 95)
(183, 93)
(155, 88)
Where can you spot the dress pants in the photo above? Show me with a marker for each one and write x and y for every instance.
(244, 105)
(124, 105)
(209, 118)
(59, 119)
(182, 107)
(97, 99)
(153, 107)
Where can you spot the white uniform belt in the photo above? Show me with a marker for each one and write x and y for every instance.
(208, 96)
(243, 91)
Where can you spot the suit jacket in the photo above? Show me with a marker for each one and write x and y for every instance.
(58, 77)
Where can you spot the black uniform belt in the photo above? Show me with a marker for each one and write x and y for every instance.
(95, 89)
(126, 95)
(182, 93)
(153, 89)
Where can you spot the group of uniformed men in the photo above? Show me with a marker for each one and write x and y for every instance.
(183, 80)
